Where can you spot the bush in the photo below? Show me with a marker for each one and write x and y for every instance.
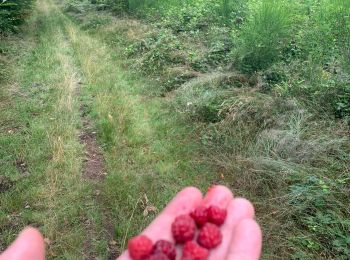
(119, 6)
(191, 14)
(12, 14)
(325, 46)
(263, 36)
(157, 50)
(327, 33)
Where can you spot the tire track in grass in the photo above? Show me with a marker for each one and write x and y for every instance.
(93, 171)
(55, 192)
(149, 152)
(85, 164)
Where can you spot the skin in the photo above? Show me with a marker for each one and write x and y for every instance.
(241, 234)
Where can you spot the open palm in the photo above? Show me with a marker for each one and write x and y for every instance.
(241, 234)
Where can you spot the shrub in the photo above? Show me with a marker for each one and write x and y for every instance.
(263, 36)
(13, 13)
(157, 51)
(190, 16)
(119, 6)
(327, 32)
(325, 46)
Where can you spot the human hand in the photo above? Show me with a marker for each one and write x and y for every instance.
(29, 245)
(241, 234)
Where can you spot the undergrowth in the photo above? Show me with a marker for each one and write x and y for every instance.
(13, 13)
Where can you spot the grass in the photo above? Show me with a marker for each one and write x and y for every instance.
(294, 172)
(148, 151)
(266, 31)
(170, 114)
(265, 139)
(40, 130)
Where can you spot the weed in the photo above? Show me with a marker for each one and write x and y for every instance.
(158, 51)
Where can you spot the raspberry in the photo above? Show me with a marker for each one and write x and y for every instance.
(165, 247)
(140, 247)
(193, 251)
(183, 228)
(216, 215)
(200, 215)
(209, 236)
(158, 256)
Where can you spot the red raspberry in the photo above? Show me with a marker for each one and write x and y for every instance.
(140, 247)
(158, 256)
(216, 215)
(193, 251)
(209, 236)
(200, 215)
(165, 247)
(183, 228)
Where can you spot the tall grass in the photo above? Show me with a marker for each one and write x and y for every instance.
(328, 31)
(223, 9)
(264, 34)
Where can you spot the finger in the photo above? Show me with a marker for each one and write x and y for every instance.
(29, 245)
(246, 241)
(219, 196)
(183, 203)
(237, 210)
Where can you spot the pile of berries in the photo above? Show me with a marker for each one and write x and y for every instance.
(196, 245)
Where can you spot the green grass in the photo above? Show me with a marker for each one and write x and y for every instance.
(169, 111)
(148, 148)
(149, 152)
(270, 135)
(40, 125)
(266, 31)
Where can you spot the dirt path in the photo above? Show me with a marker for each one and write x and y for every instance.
(94, 171)
(93, 166)
(75, 169)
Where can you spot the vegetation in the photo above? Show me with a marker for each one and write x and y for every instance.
(251, 94)
(13, 14)
(267, 83)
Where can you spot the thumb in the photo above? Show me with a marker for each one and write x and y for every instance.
(29, 245)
